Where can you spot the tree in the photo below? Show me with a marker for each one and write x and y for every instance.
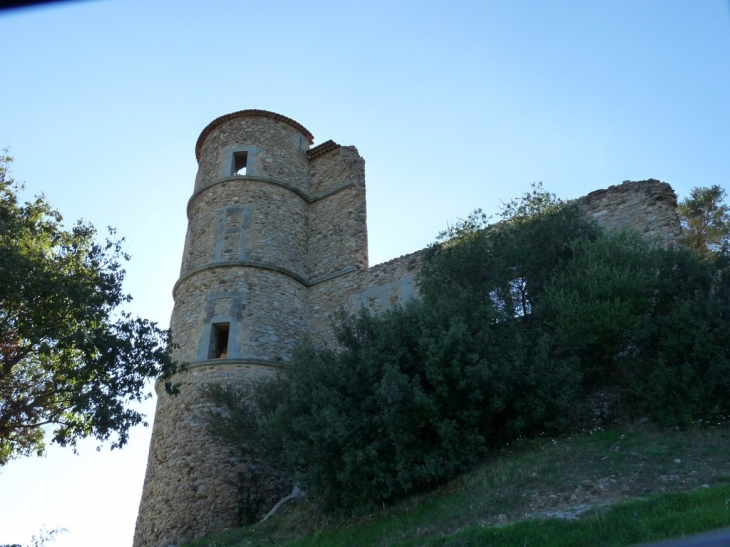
(70, 360)
(507, 263)
(705, 220)
(46, 536)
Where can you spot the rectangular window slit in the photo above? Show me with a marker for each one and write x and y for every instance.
(219, 340)
(239, 163)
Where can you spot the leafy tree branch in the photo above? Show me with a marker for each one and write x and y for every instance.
(70, 357)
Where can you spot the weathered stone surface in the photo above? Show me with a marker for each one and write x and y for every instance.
(281, 151)
(337, 228)
(272, 255)
(648, 207)
(194, 486)
(247, 219)
(246, 267)
(377, 288)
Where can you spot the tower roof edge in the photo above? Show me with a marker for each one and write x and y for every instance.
(251, 113)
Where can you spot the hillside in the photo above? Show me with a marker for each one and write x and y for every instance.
(507, 499)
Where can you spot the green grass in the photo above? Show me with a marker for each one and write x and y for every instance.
(619, 487)
(665, 516)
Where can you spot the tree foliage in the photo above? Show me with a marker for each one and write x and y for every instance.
(705, 220)
(597, 300)
(409, 400)
(503, 268)
(652, 321)
(70, 360)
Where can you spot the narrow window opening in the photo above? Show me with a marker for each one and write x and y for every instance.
(219, 341)
(239, 163)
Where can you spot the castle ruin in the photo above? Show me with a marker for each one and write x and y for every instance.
(276, 243)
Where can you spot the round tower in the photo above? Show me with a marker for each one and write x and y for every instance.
(240, 307)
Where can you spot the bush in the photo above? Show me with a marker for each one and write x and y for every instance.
(650, 320)
(684, 372)
(503, 269)
(411, 399)
(597, 301)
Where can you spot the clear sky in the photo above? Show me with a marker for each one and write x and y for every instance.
(454, 105)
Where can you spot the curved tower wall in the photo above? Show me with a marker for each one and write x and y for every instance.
(244, 270)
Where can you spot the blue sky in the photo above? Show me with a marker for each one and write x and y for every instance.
(453, 105)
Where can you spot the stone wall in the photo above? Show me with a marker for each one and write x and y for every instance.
(247, 220)
(240, 307)
(376, 288)
(337, 230)
(276, 149)
(648, 207)
(199, 486)
(266, 311)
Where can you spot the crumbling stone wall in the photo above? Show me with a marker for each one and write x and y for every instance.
(269, 257)
(648, 207)
(337, 230)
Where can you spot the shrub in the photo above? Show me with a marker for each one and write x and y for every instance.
(598, 300)
(650, 320)
(684, 373)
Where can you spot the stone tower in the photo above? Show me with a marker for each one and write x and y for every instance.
(268, 219)
(276, 244)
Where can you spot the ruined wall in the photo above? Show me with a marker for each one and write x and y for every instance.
(648, 207)
(337, 230)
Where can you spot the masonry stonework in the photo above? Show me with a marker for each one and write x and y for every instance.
(648, 207)
(276, 244)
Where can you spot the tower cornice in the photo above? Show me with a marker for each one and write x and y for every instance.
(306, 282)
(250, 113)
(308, 198)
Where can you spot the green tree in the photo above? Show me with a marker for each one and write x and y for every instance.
(70, 360)
(505, 265)
(599, 298)
(46, 536)
(705, 220)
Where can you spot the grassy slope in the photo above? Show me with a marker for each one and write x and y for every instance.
(511, 498)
